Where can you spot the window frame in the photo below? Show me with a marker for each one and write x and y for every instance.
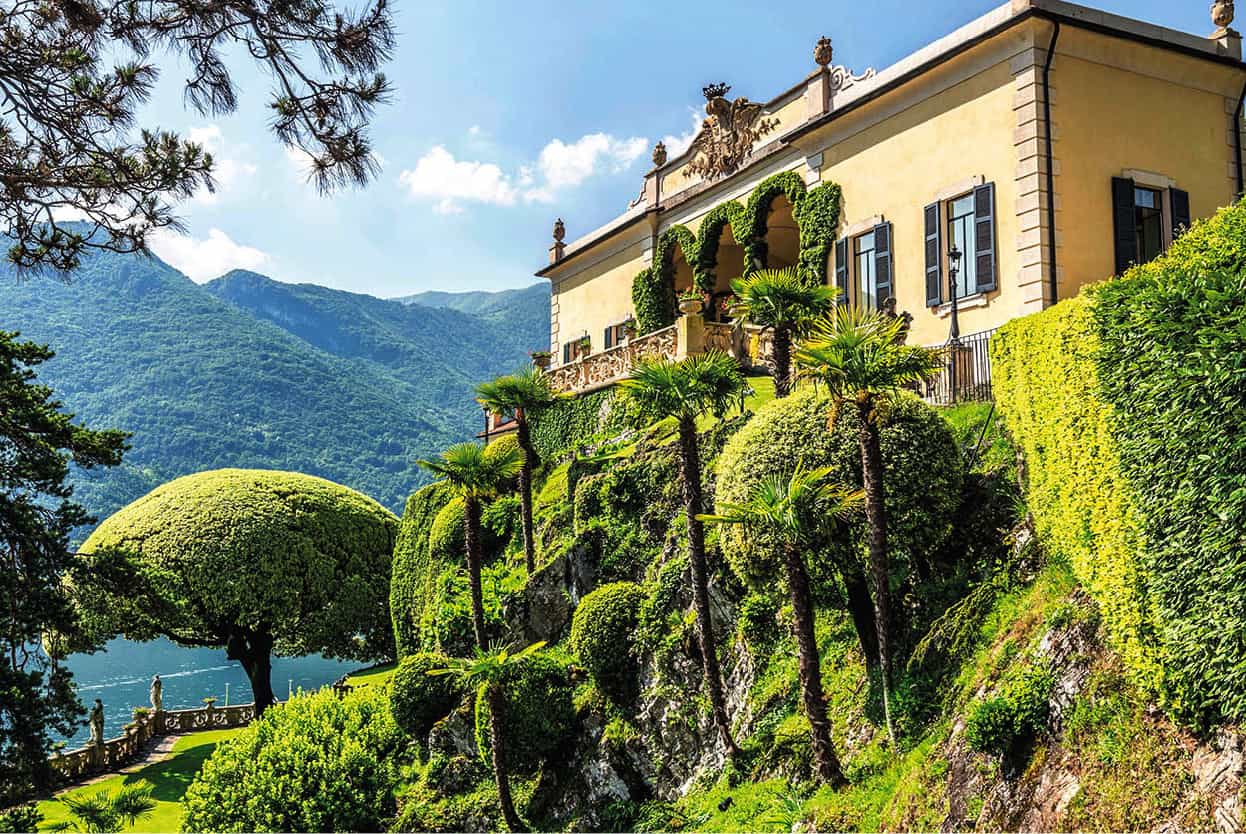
(968, 262)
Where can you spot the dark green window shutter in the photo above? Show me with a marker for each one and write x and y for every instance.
(1180, 201)
(566, 353)
(1123, 226)
(841, 269)
(984, 236)
(934, 256)
(882, 262)
(606, 340)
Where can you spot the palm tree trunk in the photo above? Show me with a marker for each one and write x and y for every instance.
(876, 517)
(525, 491)
(782, 360)
(497, 718)
(861, 609)
(471, 524)
(691, 465)
(824, 757)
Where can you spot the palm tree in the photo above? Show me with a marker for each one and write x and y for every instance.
(861, 358)
(777, 299)
(519, 395)
(797, 509)
(487, 672)
(101, 812)
(475, 475)
(709, 383)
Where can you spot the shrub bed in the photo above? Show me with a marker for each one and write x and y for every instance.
(603, 633)
(419, 700)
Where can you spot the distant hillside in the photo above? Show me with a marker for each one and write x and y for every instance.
(250, 372)
(520, 312)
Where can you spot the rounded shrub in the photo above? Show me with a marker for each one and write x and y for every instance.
(447, 544)
(603, 633)
(1018, 712)
(923, 473)
(418, 700)
(315, 763)
(540, 713)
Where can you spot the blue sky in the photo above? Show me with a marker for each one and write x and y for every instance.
(507, 115)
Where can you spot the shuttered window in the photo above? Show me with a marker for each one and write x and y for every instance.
(984, 237)
(1141, 221)
(934, 255)
(883, 269)
(1180, 202)
(841, 268)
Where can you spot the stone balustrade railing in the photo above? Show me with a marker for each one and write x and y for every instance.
(74, 765)
(689, 335)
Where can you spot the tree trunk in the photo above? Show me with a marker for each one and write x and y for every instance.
(471, 524)
(861, 609)
(825, 760)
(253, 649)
(525, 491)
(497, 717)
(782, 361)
(876, 517)
(691, 465)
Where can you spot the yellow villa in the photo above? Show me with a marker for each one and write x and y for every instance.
(1038, 148)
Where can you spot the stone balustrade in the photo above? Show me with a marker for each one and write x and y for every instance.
(75, 765)
(689, 335)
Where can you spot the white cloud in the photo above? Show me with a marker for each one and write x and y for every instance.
(203, 260)
(439, 175)
(229, 172)
(675, 145)
(474, 130)
(449, 182)
(564, 165)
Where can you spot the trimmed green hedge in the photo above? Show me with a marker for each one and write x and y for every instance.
(419, 700)
(1128, 402)
(412, 578)
(602, 636)
(315, 763)
(570, 422)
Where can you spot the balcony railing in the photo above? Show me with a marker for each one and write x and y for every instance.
(966, 373)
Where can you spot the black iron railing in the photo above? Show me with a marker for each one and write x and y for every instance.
(966, 373)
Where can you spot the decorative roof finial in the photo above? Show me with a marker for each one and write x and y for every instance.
(822, 52)
(713, 91)
(1221, 16)
(659, 155)
(560, 231)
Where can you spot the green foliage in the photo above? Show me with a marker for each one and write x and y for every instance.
(447, 623)
(1170, 364)
(779, 298)
(316, 763)
(38, 444)
(922, 478)
(602, 636)
(1048, 389)
(417, 699)
(414, 572)
(540, 713)
(817, 217)
(251, 372)
(569, 422)
(1017, 712)
(758, 623)
(210, 556)
(110, 811)
(708, 383)
(19, 819)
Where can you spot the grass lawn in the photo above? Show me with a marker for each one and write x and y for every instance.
(170, 777)
(372, 677)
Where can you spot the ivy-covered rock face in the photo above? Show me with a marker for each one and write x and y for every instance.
(923, 478)
(419, 700)
(603, 633)
(230, 541)
(540, 714)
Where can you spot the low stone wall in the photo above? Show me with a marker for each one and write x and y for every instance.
(75, 765)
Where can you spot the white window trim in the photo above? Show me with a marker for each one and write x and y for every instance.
(1162, 184)
(974, 299)
(862, 226)
(969, 302)
(959, 189)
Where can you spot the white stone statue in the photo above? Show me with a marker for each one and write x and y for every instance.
(157, 694)
(97, 723)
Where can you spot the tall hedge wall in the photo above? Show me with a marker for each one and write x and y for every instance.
(411, 582)
(569, 422)
(1129, 403)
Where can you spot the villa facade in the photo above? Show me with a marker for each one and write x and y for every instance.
(1047, 144)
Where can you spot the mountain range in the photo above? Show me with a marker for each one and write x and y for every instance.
(248, 371)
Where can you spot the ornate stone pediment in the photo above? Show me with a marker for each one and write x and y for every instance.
(727, 135)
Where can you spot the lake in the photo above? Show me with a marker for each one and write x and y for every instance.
(120, 676)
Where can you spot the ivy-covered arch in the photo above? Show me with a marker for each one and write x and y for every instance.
(757, 210)
(653, 290)
(816, 211)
